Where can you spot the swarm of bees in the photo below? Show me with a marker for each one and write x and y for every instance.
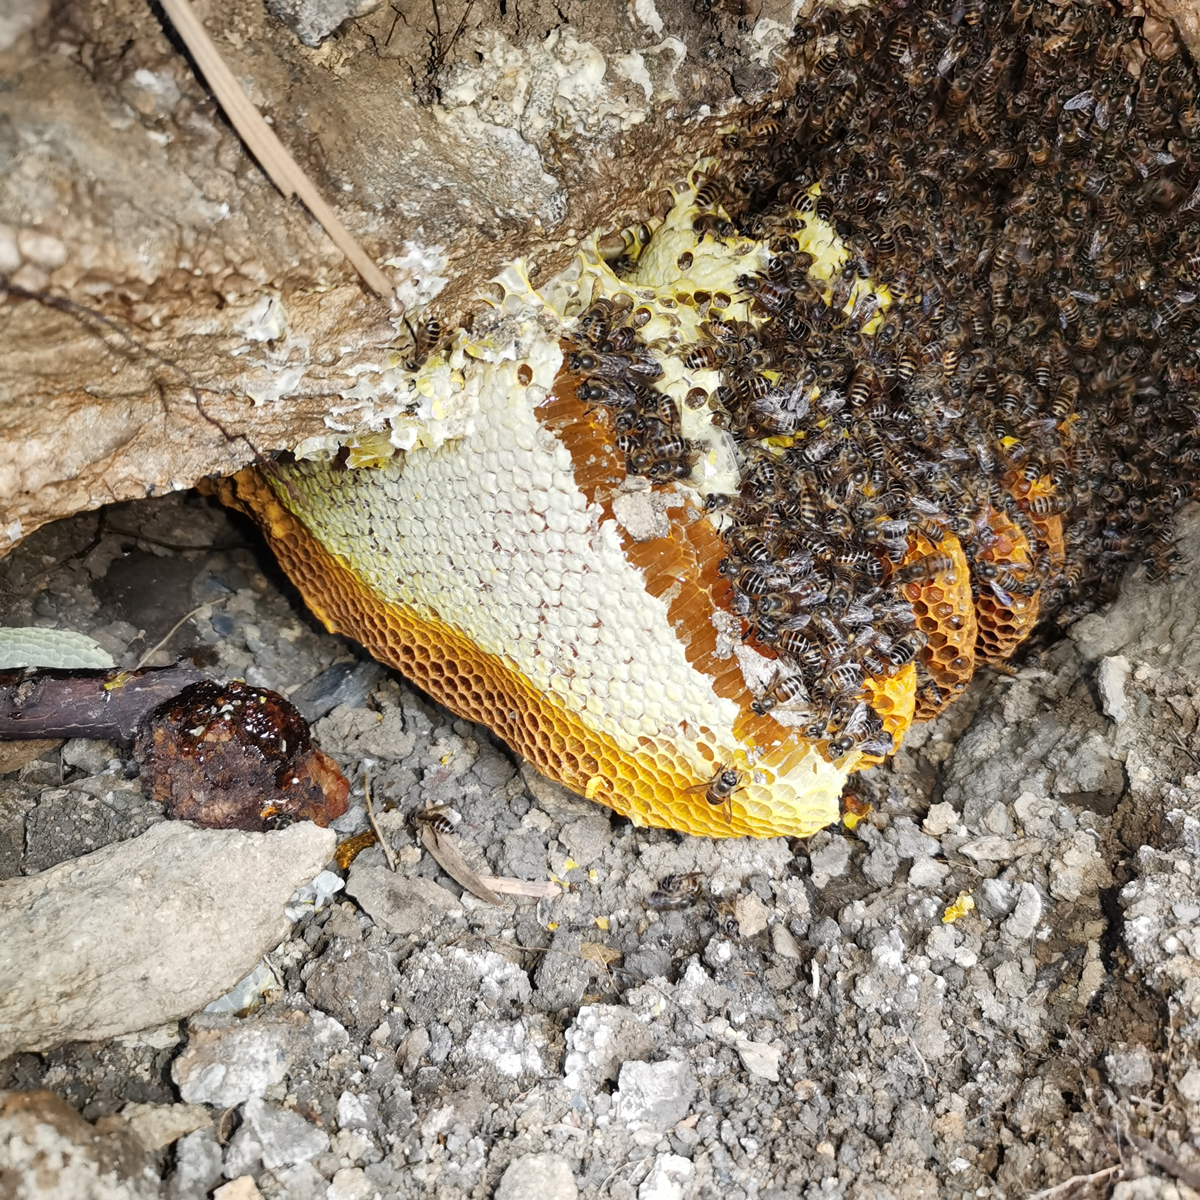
(1024, 181)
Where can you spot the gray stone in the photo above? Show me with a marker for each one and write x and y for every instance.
(1081, 869)
(1111, 678)
(560, 802)
(656, 1095)
(157, 1126)
(343, 683)
(648, 962)
(600, 1039)
(352, 984)
(759, 1059)
(243, 1155)
(197, 1166)
(587, 838)
(285, 1138)
(524, 855)
(49, 1152)
(16, 799)
(352, 733)
(88, 755)
(830, 860)
(562, 976)
(1189, 1086)
(302, 1182)
(229, 1059)
(1026, 914)
(312, 21)
(18, 17)
(538, 1177)
(144, 931)
(1130, 1066)
(492, 769)
(398, 903)
(783, 943)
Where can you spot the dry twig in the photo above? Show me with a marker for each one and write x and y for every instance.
(1074, 1181)
(388, 852)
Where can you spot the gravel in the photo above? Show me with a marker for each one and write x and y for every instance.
(971, 992)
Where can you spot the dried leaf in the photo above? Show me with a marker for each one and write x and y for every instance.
(598, 952)
(455, 866)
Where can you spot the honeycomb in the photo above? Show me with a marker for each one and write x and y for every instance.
(793, 790)
(1005, 620)
(945, 613)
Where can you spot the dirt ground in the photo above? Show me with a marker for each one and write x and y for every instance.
(987, 988)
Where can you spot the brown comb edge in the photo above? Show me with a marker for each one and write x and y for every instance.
(680, 568)
(953, 588)
(1003, 628)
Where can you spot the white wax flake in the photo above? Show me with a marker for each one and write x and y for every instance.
(646, 12)
(421, 277)
(264, 321)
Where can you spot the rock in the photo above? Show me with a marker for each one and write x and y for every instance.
(1111, 678)
(229, 1060)
(88, 754)
(18, 17)
(302, 1182)
(242, 1188)
(353, 733)
(343, 683)
(587, 838)
(1081, 871)
(669, 1179)
(312, 21)
(829, 861)
(927, 873)
(999, 849)
(538, 1177)
(197, 1166)
(560, 802)
(1026, 914)
(562, 976)
(158, 1125)
(352, 983)
(655, 1095)
(524, 855)
(285, 1138)
(350, 1183)
(16, 800)
(510, 1048)
(398, 903)
(751, 913)
(49, 1152)
(144, 931)
(940, 819)
(783, 943)
(600, 1039)
(1189, 1085)
(759, 1059)
(1129, 1066)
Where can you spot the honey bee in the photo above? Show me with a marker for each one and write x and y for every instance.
(426, 337)
(726, 781)
(781, 690)
(676, 892)
(928, 566)
(707, 358)
(438, 817)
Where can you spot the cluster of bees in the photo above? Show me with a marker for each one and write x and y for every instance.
(620, 373)
(1024, 182)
